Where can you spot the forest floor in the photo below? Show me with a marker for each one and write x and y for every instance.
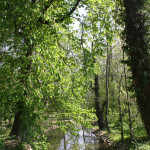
(113, 139)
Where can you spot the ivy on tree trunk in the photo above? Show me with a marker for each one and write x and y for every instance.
(137, 49)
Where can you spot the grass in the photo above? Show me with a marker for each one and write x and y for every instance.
(140, 141)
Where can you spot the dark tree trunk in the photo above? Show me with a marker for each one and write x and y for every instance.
(107, 87)
(65, 142)
(137, 48)
(17, 124)
(99, 112)
(18, 120)
(98, 106)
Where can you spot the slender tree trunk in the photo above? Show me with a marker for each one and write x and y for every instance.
(111, 73)
(64, 136)
(107, 88)
(128, 102)
(120, 109)
(98, 108)
(137, 48)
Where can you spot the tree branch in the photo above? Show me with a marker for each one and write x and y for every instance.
(70, 12)
(61, 19)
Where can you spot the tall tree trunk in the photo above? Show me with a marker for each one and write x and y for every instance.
(111, 73)
(128, 101)
(99, 112)
(107, 87)
(18, 120)
(98, 106)
(137, 48)
(120, 109)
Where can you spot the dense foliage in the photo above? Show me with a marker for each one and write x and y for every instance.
(61, 64)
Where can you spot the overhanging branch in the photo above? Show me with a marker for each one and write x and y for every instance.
(70, 12)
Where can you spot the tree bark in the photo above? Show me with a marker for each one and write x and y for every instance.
(98, 106)
(107, 87)
(18, 121)
(16, 128)
(99, 112)
(111, 73)
(137, 48)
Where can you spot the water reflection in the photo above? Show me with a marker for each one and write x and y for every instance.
(85, 140)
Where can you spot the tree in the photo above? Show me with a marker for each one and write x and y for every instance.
(137, 49)
(107, 86)
(99, 25)
(38, 71)
(99, 107)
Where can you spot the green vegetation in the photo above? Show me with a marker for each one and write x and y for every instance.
(141, 140)
(70, 63)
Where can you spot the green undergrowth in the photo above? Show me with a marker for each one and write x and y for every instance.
(4, 134)
(139, 142)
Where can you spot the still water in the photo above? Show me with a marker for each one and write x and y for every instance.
(85, 140)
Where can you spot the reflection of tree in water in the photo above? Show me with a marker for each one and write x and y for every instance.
(84, 141)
